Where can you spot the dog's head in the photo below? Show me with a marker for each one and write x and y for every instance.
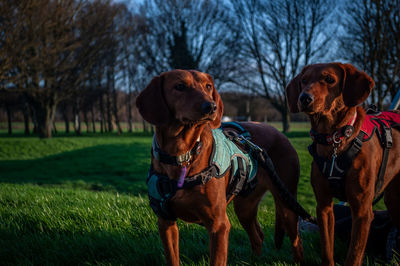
(321, 88)
(181, 96)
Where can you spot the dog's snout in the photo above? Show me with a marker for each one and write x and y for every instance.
(306, 99)
(208, 108)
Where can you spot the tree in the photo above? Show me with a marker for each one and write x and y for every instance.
(280, 37)
(188, 35)
(371, 40)
(48, 47)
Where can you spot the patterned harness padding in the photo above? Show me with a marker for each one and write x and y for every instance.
(226, 156)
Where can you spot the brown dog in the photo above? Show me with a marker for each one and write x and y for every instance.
(185, 107)
(329, 95)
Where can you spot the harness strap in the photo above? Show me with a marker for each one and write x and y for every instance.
(387, 143)
(335, 170)
(201, 178)
(162, 189)
(179, 160)
(343, 163)
(266, 162)
(237, 182)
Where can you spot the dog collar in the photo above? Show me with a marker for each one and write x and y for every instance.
(179, 160)
(337, 136)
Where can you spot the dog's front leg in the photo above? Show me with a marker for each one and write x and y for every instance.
(170, 238)
(325, 215)
(218, 231)
(326, 223)
(362, 215)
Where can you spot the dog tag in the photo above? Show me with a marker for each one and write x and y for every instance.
(181, 179)
(333, 159)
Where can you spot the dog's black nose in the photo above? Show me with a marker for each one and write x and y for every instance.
(208, 108)
(306, 99)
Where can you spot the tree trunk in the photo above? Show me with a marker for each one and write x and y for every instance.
(129, 102)
(44, 114)
(26, 117)
(93, 118)
(109, 115)
(9, 118)
(285, 121)
(54, 128)
(86, 120)
(34, 120)
(77, 119)
(66, 120)
(144, 126)
(115, 109)
(102, 115)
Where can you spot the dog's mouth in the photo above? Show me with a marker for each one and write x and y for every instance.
(202, 120)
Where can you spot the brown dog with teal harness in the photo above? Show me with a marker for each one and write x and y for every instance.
(196, 169)
(356, 155)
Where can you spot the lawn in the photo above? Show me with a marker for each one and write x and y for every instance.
(82, 200)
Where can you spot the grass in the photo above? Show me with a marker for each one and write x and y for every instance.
(82, 200)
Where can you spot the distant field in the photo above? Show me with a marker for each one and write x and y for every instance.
(82, 200)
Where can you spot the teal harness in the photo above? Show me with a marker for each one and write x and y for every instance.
(225, 156)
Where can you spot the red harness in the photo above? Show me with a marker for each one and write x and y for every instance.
(335, 168)
(378, 122)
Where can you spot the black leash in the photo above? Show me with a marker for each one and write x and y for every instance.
(265, 161)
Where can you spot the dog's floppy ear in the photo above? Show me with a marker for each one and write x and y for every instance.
(293, 90)
(220, 106)
(151, 103)
(357, 85)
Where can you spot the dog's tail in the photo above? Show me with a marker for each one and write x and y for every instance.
(279, 230)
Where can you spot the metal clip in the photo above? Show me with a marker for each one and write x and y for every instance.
(183, 158)
(333, 159)
(251, 145)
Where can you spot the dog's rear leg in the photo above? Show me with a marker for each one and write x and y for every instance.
(246, 211)
(170, 238)
(392, 200)
(287, 220)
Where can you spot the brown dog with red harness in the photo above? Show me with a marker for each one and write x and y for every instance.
(351, 162)
(186, 110)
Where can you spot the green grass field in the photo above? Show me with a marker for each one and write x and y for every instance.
(82, 200)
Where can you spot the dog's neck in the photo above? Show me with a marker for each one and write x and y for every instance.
(331, 122)
(179, 139)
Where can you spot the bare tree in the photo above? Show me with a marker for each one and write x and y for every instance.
(371, 40)
(280, 37)
(48, 47)
(189, 35)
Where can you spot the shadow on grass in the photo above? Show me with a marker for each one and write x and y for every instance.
(59, 247)
(118, 167)
(132, 248)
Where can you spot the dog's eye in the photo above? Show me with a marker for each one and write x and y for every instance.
(303, 80)
(329, 79)
(208, 86)
(180, 87)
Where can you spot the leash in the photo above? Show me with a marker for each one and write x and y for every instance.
(265, 161)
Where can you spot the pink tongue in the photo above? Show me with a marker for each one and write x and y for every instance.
(182, 177)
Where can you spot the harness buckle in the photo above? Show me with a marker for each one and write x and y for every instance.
(183, 158)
